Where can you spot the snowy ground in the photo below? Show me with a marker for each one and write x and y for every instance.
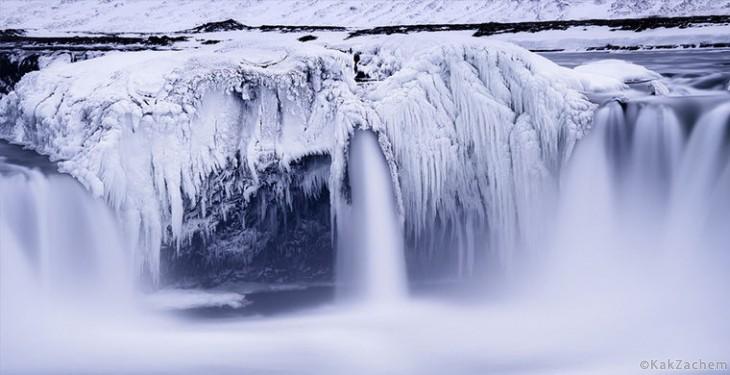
(165, 16)
(554, 38)
(596, 37)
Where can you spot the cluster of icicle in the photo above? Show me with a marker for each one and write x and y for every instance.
(474, 133)
(480, 134)
(146, 130)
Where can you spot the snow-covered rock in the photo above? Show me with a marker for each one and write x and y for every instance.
(613, 75)
(161, 135)
(182, 299)
(479, 132)
(146, 129)
(623, 71)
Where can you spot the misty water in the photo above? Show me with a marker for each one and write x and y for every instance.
(370, 252)
(633, 267)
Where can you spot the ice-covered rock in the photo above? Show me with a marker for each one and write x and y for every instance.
(620, 70)
(475, 132)
(479, 132)
(146, 129)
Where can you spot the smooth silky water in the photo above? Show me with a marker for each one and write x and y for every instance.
(371, 262)
(634, 268)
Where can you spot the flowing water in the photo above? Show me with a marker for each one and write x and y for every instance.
(56, 235)
(634, 268)
(62, 257)
(370, 246)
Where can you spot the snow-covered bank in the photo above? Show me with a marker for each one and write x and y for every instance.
(660, 33)
(603, 38)
(168, 137)
(180, 299)
(165, 16)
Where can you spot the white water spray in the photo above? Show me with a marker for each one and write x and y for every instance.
(370, 244)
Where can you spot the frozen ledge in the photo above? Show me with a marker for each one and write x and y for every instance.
(464, 123)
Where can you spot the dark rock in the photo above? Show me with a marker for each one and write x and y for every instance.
(227, 25)
(307, 38)
(491, 28)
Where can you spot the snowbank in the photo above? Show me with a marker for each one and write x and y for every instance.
(582, 38)
(615, 75)
(161, 16)
(475, 124)
(621, 70)
(181, 299)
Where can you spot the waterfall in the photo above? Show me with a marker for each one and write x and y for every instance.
(60, 249)
(371, 264)
(644, 208)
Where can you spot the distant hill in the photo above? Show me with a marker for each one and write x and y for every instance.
(159, 15)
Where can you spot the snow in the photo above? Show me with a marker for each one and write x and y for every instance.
(181, 299)
(611, 75)
(159, 134)
(582, 38)
(165, 16)
(621, 70)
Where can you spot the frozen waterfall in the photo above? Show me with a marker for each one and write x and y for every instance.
(478, 130)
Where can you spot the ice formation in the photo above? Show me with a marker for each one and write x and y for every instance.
(479, 133)
(146, 130)
(475, 132)
(621, 70)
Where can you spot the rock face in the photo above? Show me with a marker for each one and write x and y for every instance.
(235, 154)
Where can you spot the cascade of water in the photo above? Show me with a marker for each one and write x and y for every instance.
(699, 186)
(643, 211)
(64, 265)
(60, 247)
(371, 264)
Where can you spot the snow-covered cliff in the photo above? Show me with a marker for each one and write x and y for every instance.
(146, 130)
(177, 141)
